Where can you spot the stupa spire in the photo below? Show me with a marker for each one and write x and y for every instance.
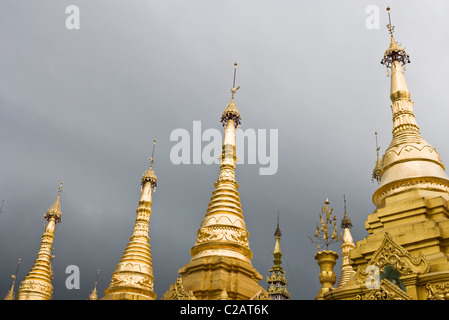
(347, 244)
(93, 295)
(37, 284)
(11, 295)
(277, 282)
(133, 276)
(409, 157)
(221, 256)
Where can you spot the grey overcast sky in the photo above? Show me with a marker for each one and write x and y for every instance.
(84, 105)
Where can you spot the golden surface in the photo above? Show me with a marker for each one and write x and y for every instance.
(221, 256)
(133, 276)
(37, 284)
(409, 230)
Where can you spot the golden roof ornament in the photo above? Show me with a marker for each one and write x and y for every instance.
(378, 167)
(231, 112)
(346, 222)
(395, 51)
(149, 175)
(326, 232)
(55, 209)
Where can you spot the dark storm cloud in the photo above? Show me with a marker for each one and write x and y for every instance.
(84, 106)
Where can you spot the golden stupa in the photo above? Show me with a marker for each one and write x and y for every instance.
(221, 256)
(133, 276)
(406, 254)
(37, 284)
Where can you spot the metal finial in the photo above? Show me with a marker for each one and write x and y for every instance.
(234, 89)
(278, 233)
(378, 167)
(389, 26)
(346, 222)
(60, 188)
(17, 269)
(395, 52)
(96, 278)
(377, 147)
(152, 154)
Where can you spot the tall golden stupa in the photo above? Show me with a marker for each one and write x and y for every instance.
(406, 254)
(133, 276)
(221, 256)
(37, 284)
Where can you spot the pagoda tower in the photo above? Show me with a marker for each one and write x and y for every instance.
(37, 284)
(347, 244)
(405, 255)
(277, 283)
(221, 256)
(133, 276)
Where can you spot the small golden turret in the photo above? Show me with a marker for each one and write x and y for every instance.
(347, 244)
(93, 295)
(133, 276)
(11, 295)
(37, 284)
(277, 282)
(378, 167)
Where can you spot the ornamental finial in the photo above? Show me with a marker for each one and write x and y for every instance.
(234, 89)
(395, 51)
(231, 112)
(149, 175)
(152, 154)
(328, 223)
(378, 168)
(55, 209)
(346, 222)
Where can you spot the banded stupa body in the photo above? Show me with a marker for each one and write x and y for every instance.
(221, 256)
(133, 276)
(37, 285)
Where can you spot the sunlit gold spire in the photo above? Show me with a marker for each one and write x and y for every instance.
(410, 162)
(378, 167)
(277, 282)
(221, 257)
(37, 284)
(133, 276)
(93, 295)
(347, 245)
(11, 295)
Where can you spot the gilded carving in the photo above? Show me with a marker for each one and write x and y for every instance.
(438, 291)
(412, 185)
(390, 253)
(219, 233)
(35, 285)
(261, 295)
(179, 293)
(131, 279)
(387, 291)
